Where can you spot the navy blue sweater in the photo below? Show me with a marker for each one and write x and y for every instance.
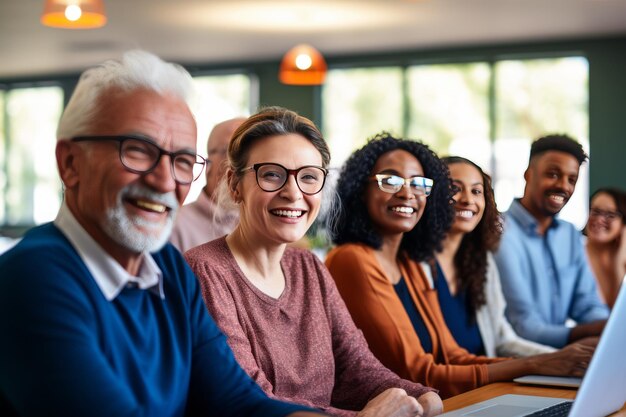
(66, 350)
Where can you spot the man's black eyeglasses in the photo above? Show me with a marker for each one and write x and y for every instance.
(141, 156)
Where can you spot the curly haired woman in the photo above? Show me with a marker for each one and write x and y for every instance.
(396, 209)
(465, 275)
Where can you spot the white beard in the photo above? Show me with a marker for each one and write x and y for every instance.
(134, 232)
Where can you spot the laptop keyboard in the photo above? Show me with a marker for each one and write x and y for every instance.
(557, 410)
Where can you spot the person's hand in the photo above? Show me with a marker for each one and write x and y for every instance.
(431, 403)
(394, 402)
(584, 330)
(572, 360)
(591, 341)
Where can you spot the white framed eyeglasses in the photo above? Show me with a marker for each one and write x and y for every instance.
(390, 183)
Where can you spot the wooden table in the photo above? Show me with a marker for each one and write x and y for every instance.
(501, 388)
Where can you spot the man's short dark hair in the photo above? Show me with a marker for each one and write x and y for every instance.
(561, 143)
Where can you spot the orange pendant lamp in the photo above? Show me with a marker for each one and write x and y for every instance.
(302, 65)
(74, 14)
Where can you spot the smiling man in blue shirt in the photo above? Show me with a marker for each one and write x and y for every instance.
(99, 316)
(545, 276)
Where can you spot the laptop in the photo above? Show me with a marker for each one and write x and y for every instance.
(602, 391)
(553, 381)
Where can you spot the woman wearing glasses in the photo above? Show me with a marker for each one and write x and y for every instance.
(396, 208)
(606, 240)
(278, 306)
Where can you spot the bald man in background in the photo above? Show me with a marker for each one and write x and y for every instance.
(202, 221)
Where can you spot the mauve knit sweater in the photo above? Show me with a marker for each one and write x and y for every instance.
(301, 347)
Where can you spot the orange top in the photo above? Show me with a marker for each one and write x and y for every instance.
(379, 313)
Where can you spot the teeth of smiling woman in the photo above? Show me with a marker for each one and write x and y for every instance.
(288, 213)
(466, 214)
(403, 209)
(159, 208)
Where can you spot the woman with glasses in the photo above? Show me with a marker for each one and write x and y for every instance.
(606, 241)
(278, 305)
(396, 207)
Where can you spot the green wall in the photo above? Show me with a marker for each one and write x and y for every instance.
(302, 99)
(607, 113)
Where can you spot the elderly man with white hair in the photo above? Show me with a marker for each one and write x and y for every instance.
(99, 315)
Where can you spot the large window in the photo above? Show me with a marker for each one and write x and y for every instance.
(449, 108)
(220, 97)
(31, 188)
(534, 97)
(3, 145)
(358, 103)
(487, 112)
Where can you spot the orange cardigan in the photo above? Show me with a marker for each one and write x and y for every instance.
(379, 313)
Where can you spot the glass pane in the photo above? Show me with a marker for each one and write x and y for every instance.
(220, 97)
(535, 98)
(3, 177)
(357, 104)
(33, 189)
(449, 109)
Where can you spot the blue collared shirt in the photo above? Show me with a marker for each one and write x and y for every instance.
(545, 278)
